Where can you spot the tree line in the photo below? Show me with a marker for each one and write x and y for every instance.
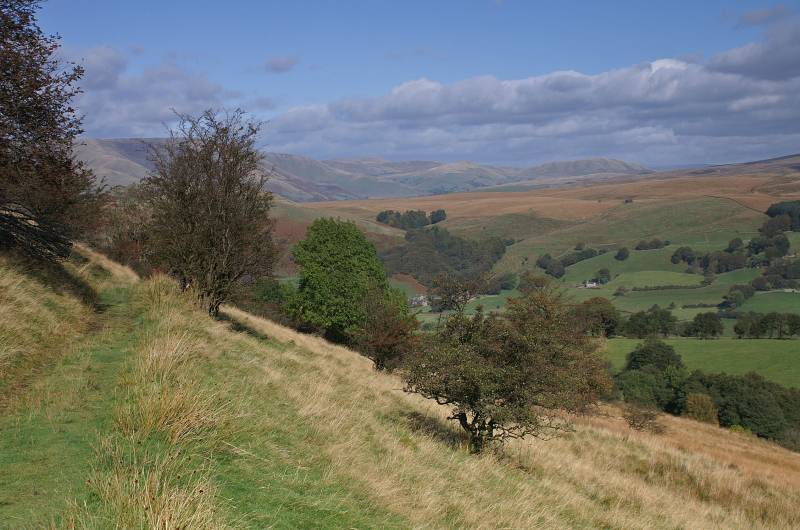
(410, 219)
(655, 377)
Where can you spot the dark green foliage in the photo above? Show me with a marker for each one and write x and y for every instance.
(705, 326)
(653, 244)
(47, 197)
(437, 216)
(737, 295)
(501, 282)
(427, 253)
(579, 255)
(551, 266)
(622, 254)
(654, 321)
(655, 354)
(598, 316)
(776, 225)
(765, 408)
(556, 267)
(685, 254)
(337, 267)
(653, 376)
(791, 209)
(772, 248)
(510, 376)
(408, 220)
(603, 276)
(770, 325)
(735, 245)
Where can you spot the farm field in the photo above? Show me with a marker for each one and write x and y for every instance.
(777, 360)
(782, 302)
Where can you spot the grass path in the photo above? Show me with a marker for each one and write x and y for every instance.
(46, 441)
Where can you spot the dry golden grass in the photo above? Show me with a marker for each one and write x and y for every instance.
(474, 204)
(156, 467)
(581, 201)
(144, 490)
(603, 475)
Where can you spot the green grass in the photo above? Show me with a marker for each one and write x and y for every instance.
(704, 224)
(777, 360)
(47, 447)
(782, 302)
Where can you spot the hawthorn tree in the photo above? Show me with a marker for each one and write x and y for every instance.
(510, 376)
(210, 214)
(47, 198)
(387, 333)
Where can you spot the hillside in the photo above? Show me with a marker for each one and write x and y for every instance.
(298, 178)
(145, 413)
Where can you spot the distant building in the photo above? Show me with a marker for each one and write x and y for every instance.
(591, 285)
(418, 301)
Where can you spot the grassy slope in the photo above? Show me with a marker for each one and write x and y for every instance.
(705, 224)
(773, 301)
(160, 417)
(778, 360)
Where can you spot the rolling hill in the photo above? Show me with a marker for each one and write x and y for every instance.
(145, 413)
(298, 178)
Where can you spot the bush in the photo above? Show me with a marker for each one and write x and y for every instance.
(387, 333)
(622, 254)
(643, 419)
(653, 244)
(701, 407)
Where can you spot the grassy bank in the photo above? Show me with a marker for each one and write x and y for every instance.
(160, 417)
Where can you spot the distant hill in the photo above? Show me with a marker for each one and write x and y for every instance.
(124, 161)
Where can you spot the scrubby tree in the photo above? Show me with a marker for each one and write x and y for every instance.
(622, 254)
(210, 214)
(513, 375)
(451, 292)
(47, 198)
(337, 267)
(437, 216)
(387, 332)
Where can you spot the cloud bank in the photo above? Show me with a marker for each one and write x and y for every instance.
(738, 105)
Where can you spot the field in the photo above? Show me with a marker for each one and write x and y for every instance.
(778, 360)
(155, 416)
(781, 302)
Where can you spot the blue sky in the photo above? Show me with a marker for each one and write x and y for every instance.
(480, 80)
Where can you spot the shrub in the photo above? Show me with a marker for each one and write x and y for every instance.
(701, 407)
(643, 419)
(622, 254)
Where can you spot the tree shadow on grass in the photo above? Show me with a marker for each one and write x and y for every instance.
(434, 428)
(57, 278)
(241, 327)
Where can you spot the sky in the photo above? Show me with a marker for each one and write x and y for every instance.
(509, 82)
